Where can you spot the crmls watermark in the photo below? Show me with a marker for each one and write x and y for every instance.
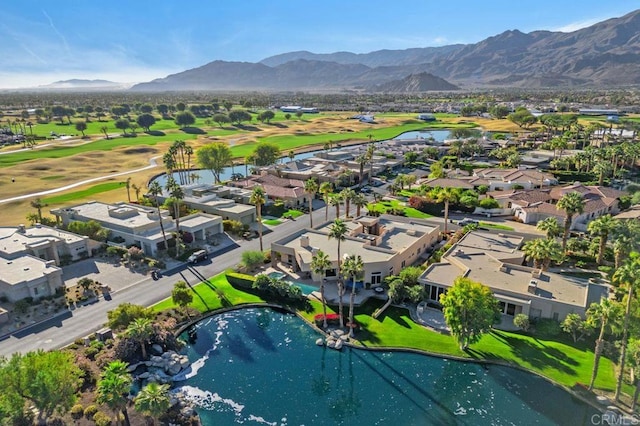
(614, 419)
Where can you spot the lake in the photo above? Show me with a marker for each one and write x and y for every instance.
(261, 366)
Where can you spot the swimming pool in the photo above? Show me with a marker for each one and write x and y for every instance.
(306, 289)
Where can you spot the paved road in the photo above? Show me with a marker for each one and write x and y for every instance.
(64, 329)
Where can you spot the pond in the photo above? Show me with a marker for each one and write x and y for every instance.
(205, 176)
(261, 366)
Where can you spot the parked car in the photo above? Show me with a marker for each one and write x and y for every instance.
(467, 221)
(198, 256)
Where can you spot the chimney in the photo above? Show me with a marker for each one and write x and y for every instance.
(21, 228)
(536, 273)
(533, 286)
(304, 241)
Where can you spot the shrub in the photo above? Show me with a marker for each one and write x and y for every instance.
(77, 411)
(489, 203)
(135, 253)
(116, 251)
(251, 259)
(101, 419)
(522, 322)
(91, 352)
(90, 411)
(21, 306)
(240, 280)
(232, 226)
(548, 327)
(125, 313)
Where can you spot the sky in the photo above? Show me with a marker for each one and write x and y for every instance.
(42, 41)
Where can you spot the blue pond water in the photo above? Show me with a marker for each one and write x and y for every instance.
(260, 366)
(207, 177)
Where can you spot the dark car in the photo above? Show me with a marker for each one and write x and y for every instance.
(198, 256)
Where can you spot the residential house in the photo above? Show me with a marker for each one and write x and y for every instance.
(29, 276)
(386, 244)
(42, 242)
(504, 179)
(496, 260)
(140, 225)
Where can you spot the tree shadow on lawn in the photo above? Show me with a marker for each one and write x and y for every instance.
(155, 133)
(193, 131)
(278, 125)
(525, 350)
(247, 127)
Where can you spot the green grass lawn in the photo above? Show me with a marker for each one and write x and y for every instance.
(272, 222)
(388, 206)
(96, 189)
(556, 358)
(292, 213)
(491, 225)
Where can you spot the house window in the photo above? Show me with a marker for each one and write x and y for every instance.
(376, 277)
(331, 273)
(555, 316)
(403, 263)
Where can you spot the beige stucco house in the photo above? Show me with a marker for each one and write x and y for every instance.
(29, 276)
(386, 244)
(495, 260)
(42, 242)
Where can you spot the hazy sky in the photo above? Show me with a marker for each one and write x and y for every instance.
(42, 41)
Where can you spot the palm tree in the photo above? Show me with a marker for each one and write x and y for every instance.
(551, 226)
(371, 150)
(127, 184)
(338, 230)
(605, 313)
(258, 198)
(153, 400)
(627, 276)
(155, 190)
(319, 265)
(325, 189)
(542, 251)
(336, 200)
(446, 195)
(311, 188)
(359, 201)
(114, 387)
(38, 205)
(177, 194)
(602, 227)
(572, 203)
(353, 267)
(140, 330)
(347, 195)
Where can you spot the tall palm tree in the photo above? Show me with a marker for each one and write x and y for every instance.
(258, 198)
(336, 200)
(38, 205)
(353, 267)
(359, 201)
(605, 314)
(347, 195)
(371, 150)
(338, 231)
(155, 190)
(319, 264)
(114, 387)
(542, 251)
(446, 195)
(627, 276)
(153, 400)
(551, 226)
(572, 203)
(127, 184)
(602, 227)
(177, 194)
(140, 330)
(311, 188)
(325, 189)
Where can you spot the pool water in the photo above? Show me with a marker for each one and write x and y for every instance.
(260, 366)
(306, 289)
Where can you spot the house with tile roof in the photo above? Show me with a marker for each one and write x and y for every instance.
(495, 260)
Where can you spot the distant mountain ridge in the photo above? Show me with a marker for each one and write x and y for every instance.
(85, 84)
(605, 54)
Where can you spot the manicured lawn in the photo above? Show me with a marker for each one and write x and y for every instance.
(388, 206)
(96, 189)
(292, 213)
(491, 225)
(206, 299)
(272, 222)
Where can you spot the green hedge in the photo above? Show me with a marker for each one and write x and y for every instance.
(240, 280)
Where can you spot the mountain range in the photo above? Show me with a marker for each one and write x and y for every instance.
(605, 54)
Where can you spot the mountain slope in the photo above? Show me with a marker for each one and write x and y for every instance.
(604, 54)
